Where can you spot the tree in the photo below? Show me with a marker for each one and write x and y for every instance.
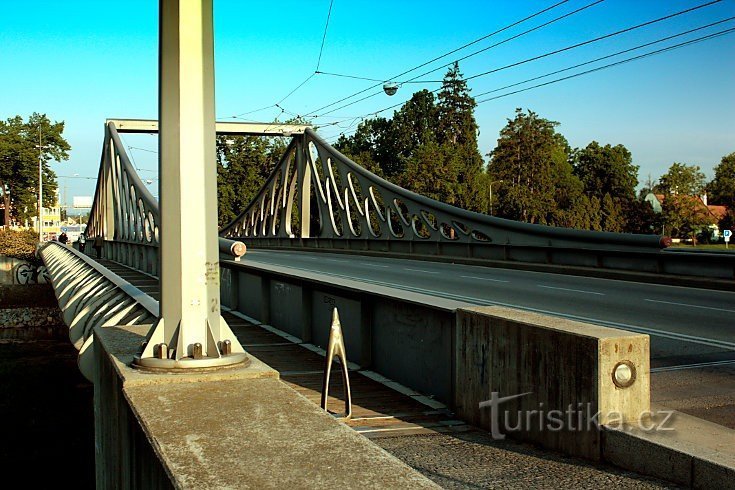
(684, 214)
(19, 156)
(457, 129)
(243, 165)
(606, 170)
(424, 176)
(373, 146)
(722, 188)
(426, 139)
(682, 179)
(524, 161)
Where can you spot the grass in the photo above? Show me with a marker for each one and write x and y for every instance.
(708, 246)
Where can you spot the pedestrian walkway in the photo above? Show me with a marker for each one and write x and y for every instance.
(417, 429)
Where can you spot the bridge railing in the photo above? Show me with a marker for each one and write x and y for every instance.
(318, 199)
(89, 296)
(317, 192)
(125, 213)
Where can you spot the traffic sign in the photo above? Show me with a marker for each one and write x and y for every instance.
(727, 234)
(64, 229)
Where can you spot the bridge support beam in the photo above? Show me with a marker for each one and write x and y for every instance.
(190, 331)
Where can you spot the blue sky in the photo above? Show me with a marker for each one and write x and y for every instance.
(83, 61)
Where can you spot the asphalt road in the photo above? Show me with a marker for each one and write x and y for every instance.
(688, 326)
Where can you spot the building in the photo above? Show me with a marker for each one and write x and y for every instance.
(51, 221)
(715, 213)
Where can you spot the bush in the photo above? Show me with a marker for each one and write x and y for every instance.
(19, 244)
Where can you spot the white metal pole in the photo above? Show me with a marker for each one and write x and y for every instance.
(190, 331)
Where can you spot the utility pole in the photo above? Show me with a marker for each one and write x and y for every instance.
(40, 185)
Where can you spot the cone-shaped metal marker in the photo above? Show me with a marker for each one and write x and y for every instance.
(336, 348)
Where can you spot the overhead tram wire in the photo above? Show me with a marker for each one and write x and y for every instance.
(321, 49)
(610, 65)
(557, 51)
(621, 62)
(640, 46)
(516, 36)
(584, 43)
(324, 37)
(509, 26)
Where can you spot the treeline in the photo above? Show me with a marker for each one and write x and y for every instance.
(430, 147)
(532, 175)
(19, 156)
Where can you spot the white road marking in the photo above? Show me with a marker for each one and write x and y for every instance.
(375, 265)
(690, 306)
(484, 279)
(420, 270)
(571, 290)
(698, 365)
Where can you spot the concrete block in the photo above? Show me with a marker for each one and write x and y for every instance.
(708, 474)
(674, 446)
(557, 372)
(627, 451)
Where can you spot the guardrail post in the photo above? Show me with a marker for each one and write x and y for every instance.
(190, 332)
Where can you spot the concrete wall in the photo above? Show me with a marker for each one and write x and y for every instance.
(17, 271)
(456, 353)
(408, 339)
(560, 366)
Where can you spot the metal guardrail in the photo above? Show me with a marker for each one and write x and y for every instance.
(90, 296)
(570, 260)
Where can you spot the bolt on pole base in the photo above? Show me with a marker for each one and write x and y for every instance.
(159, 356)
(190, 364)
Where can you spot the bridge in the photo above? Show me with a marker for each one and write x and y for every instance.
(435, 313)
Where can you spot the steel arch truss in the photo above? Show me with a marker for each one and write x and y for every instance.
(316, 192)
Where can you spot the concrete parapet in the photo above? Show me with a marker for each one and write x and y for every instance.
(558, 374)
(234, 428)
(676, 447)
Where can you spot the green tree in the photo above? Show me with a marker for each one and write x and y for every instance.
(682, 179)
(423, 175)
(19, 157)
(524, 162)
(374, 146)
(722, 188)
(413, 126)
(683, 211)
(607, 172)
(243, 165)
(458, 130)
(426, 139)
